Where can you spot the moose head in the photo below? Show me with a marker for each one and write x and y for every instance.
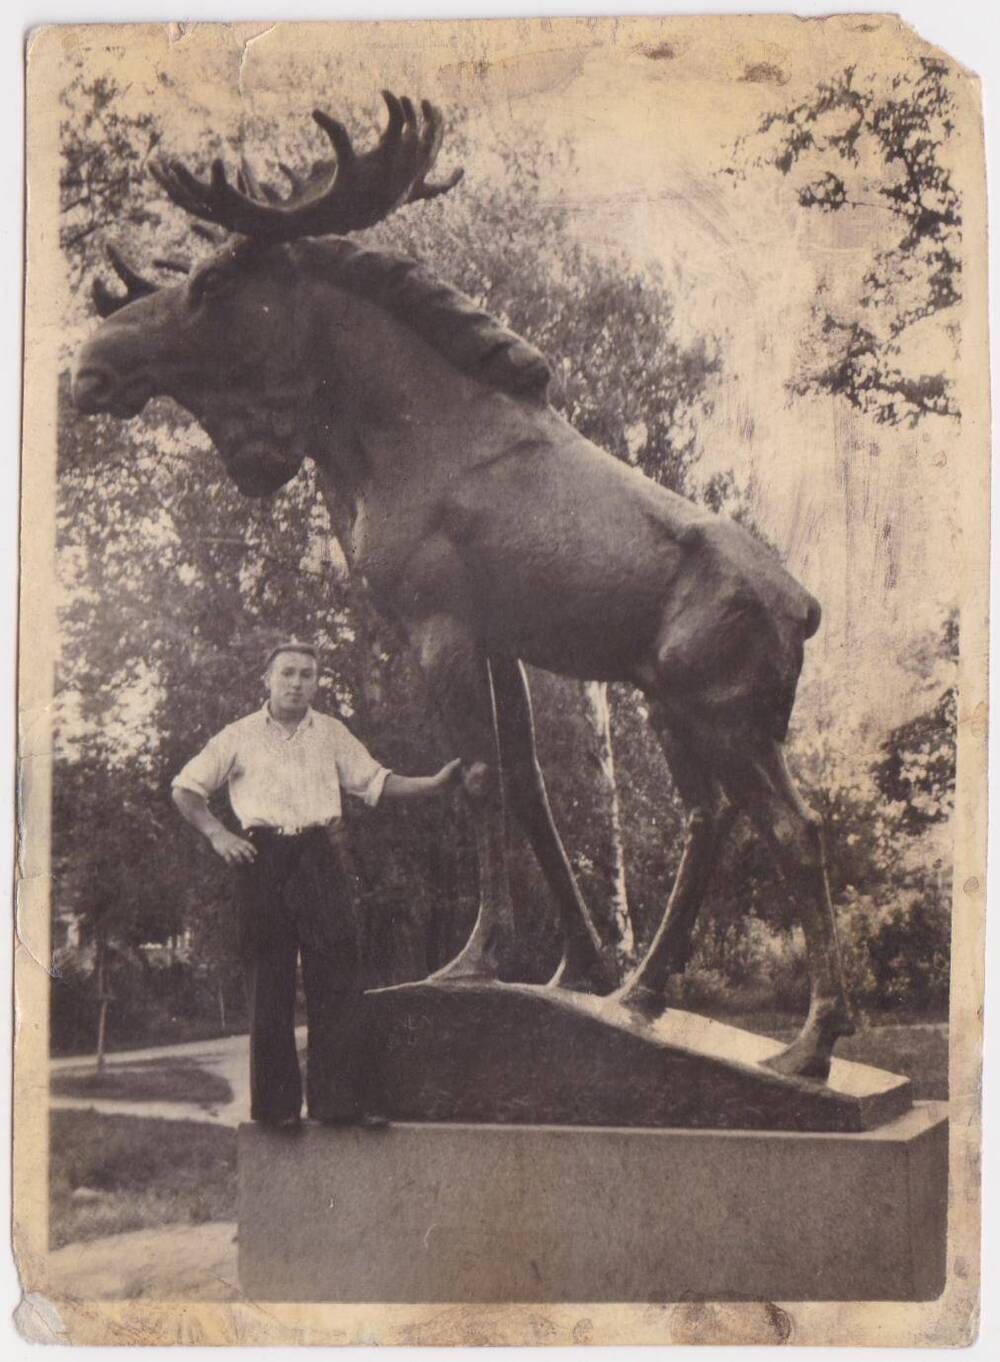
(228, 343)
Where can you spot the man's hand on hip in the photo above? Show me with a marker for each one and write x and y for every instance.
(233, 850)
(336, 832)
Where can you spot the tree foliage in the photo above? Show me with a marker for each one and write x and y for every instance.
(857, 144)
(104, 153)
(916, 773)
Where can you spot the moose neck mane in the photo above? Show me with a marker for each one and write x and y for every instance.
(447, 320)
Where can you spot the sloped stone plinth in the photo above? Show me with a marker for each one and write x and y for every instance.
(518, 1053)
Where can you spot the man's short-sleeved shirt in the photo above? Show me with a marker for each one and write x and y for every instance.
(277, 780)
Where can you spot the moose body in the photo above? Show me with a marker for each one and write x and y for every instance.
(659, 591)
(495, 533)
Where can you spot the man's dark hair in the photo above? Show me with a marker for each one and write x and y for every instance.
(291, 646)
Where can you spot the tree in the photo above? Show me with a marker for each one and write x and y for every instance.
(100, 180)
(861, 145)
(917, 771)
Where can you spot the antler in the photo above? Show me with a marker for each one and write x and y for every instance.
(338, 196)
(136, 286)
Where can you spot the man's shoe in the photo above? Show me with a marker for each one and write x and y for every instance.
(286, 1125)
(366, 1120)
(374, 1120)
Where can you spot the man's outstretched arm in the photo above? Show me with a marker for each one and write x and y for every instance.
(194, 809)
(422, 787)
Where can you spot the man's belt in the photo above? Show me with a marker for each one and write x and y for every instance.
(286, 831)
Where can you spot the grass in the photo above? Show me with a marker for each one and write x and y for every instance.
(918, 1052)
(144, 1173)
(160, 1080)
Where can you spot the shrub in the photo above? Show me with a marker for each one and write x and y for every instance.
(151, 1004)
(897, 953)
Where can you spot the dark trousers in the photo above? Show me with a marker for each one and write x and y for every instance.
(295, 899)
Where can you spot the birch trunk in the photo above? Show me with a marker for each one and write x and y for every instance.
(102, 1017)
(598, 713)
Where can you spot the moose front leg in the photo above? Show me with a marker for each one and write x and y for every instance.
(584, 965)
(458, 674)
(708, 824)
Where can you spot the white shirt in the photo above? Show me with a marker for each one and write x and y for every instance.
(281, 780)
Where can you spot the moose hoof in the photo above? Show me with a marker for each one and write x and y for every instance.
(810, 1054)
(585, 976)
(471, 968)
(642, 1001)
(478, 960)
(804, 1058)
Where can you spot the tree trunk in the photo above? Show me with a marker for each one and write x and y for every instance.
(598, 712)
(103, 999)
(222, 1007)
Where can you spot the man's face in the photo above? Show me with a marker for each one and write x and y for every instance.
(291, 681)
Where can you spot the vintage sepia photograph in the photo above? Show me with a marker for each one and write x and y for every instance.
(502, 811)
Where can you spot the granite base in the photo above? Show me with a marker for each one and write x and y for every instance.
(491, 1213)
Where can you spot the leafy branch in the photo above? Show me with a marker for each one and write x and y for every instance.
(883, 148)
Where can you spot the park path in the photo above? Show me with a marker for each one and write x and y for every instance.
(176, 1262)
(226, 1056)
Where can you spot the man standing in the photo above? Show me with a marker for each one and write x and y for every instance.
(285, 767)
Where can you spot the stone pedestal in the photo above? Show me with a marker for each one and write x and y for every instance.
(488, 1213)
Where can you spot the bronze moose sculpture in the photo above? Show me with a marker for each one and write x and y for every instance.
(489, 528)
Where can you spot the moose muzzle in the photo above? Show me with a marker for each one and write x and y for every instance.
(111, 375)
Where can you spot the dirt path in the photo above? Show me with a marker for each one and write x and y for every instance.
(178, 1262)
(226, 1057)
(189, 1049)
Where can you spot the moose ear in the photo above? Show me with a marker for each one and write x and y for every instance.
(210, 283)
(136, 286)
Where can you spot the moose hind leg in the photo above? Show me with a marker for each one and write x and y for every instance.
(709, 820)
(459, 678)
(584, 965)
(795, 833)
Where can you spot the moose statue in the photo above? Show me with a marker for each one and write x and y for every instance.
(489, 528)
